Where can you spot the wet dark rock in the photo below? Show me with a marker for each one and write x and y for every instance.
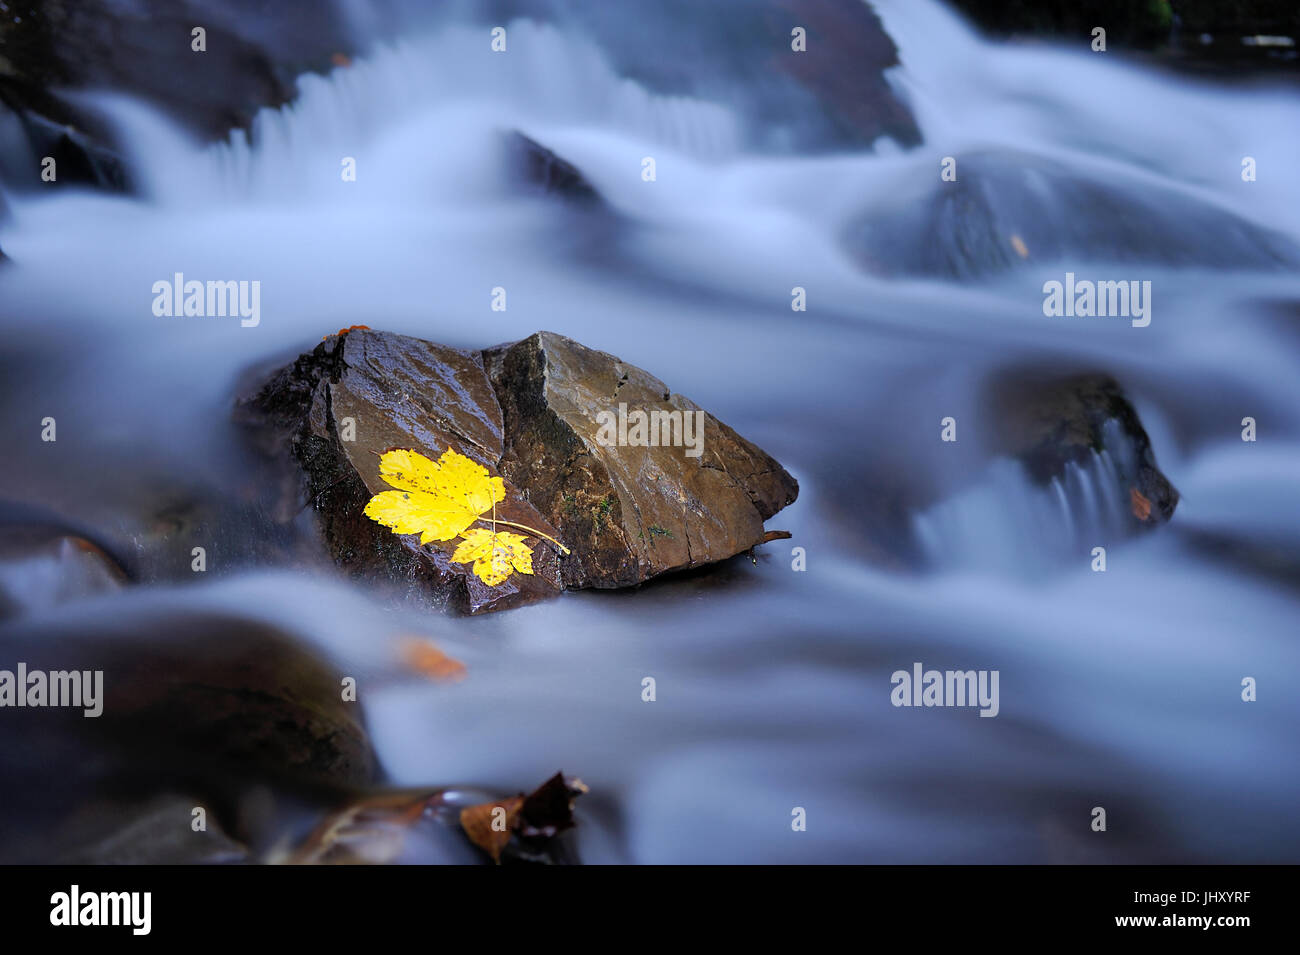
(528, 412)
(628, 513)
(737, 52)
(400, 392)
(47, 560)
(531, 163)
(151, 831)
(42, 570)
(1008, 211)
(848, 51)
(254, 51)
(216, 708)
(1049, 421)
(81, 158)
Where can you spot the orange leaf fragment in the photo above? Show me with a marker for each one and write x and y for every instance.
(489, 824)
(536, 818)
(344, 331)
(1141, 506)
(424, 658)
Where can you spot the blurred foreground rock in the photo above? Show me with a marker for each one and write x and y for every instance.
(196, 710)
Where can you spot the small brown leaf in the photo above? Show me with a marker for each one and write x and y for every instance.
(1141, 506)
(536, 818)
(477, 822)
(1018, 244)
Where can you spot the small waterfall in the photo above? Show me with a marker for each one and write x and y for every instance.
(1007, 524)
(425, 106)
(1095, 112)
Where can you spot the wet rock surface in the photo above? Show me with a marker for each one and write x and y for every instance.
(541, 170)
(41, 570)
(1047, 422)
(530, 413)
(394, 392)
(844, 70)
(253, 51)
(212, 709)
(629, 512)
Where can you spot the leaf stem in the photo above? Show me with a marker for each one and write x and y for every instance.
(536, 533)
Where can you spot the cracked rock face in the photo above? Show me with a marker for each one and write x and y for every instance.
(629, 512)
(542, 414)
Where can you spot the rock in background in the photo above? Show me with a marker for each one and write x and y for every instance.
(1046, 422)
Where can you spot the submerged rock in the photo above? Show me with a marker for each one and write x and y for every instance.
(81, 158)
(1009, 211)
(1047, 422)
(531, 163)
(41, 571)
(47, 561)
(251, 54)
(844, 67)
(541, 414)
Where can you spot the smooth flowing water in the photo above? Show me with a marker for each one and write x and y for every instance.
(1118, 689)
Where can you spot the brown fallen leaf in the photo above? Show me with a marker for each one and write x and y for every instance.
(1141, 506)
(1018, 244)
(489, 825)
(424, 658)
(535, 819)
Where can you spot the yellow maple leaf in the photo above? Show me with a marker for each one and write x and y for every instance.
(439, 500)
(436, 499)
(495, 554)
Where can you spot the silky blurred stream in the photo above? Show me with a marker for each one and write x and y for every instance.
(1118, 689)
